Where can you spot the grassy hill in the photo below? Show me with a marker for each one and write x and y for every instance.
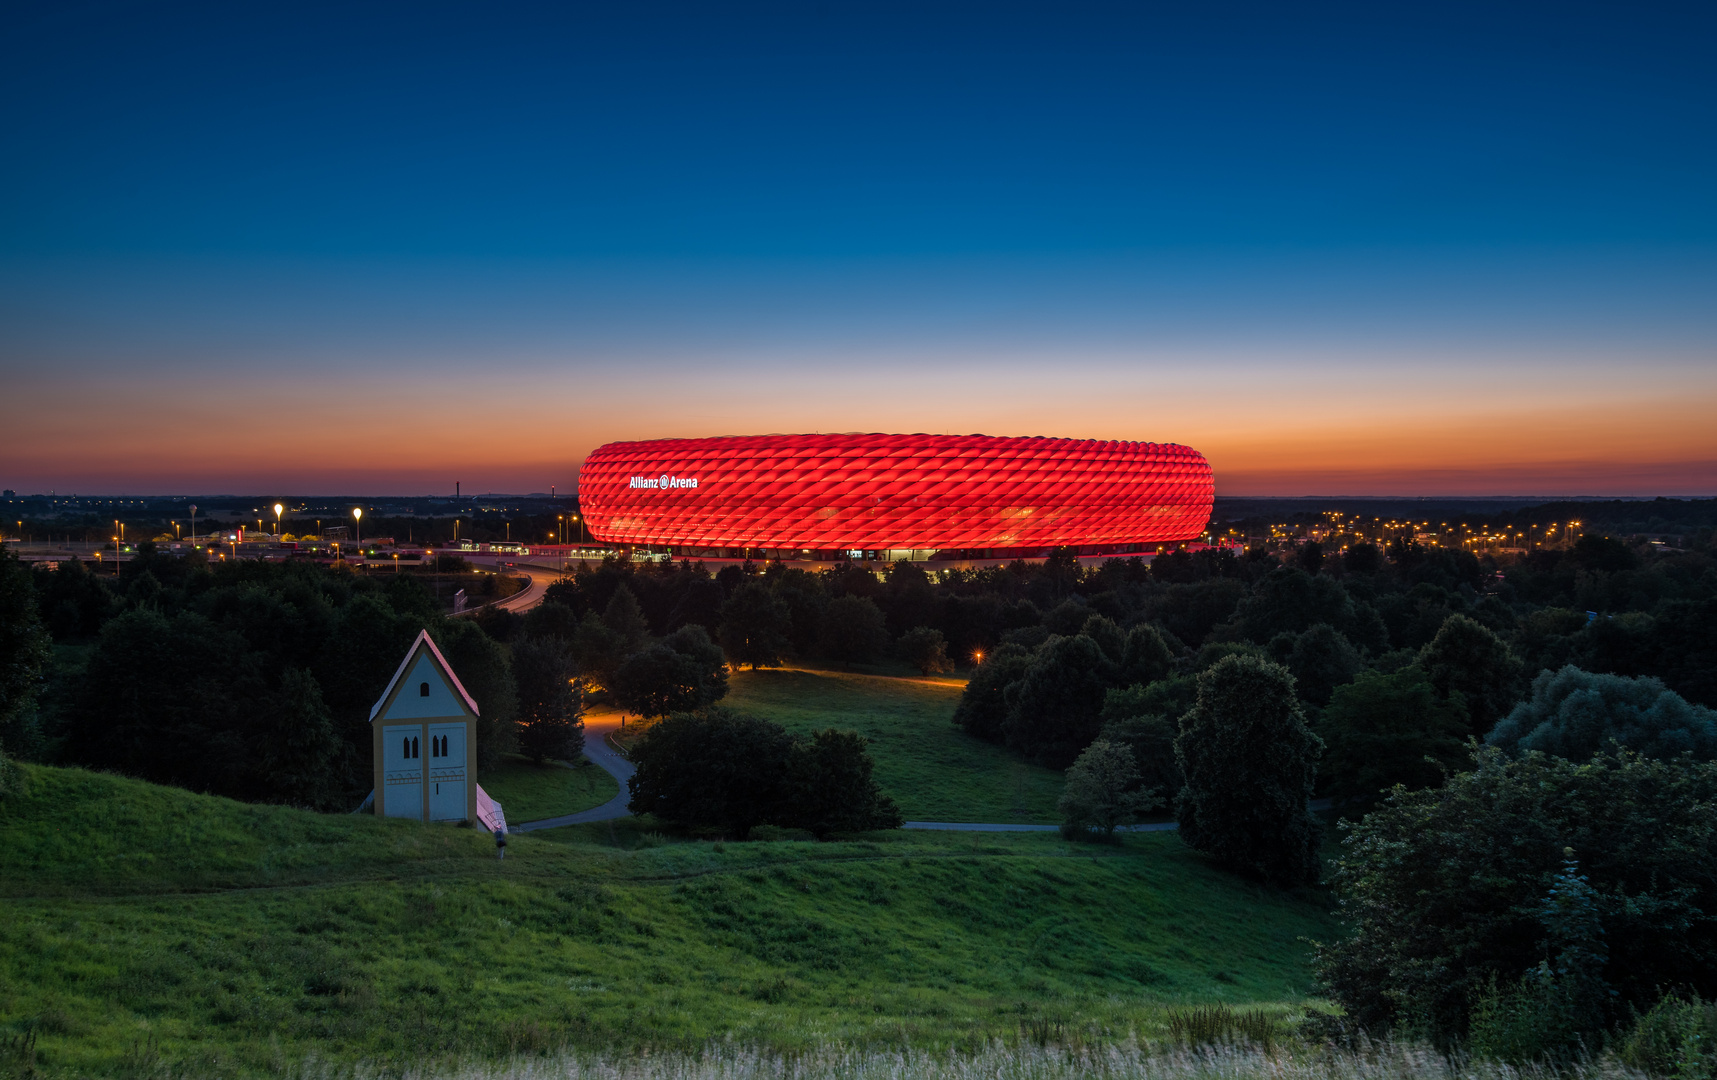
(152, 928)
(934, 771)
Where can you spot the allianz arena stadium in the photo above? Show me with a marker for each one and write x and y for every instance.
(894, 496)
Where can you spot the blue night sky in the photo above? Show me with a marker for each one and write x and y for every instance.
(1441, 248)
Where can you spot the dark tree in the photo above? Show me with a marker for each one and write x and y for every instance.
(830, 788)
(551, 707)
(1379, 730)
(549, 619)
(853, 630)
(626, 618)
(983, 709)
(1574, 714)
(705, 662)
(1469, 659)
(682, 673)
(1321, 659)
(755, 625)
(925, 649)
(24, 651)
(167, 699)
(1145, 658)
(597, 651)
(718, 767)
(1452, 890)
(1109, 637)
(1362, 559)
(1310, 557)
(1135, 717)
(1250, 762)
(1054, 710)
(295, 752)
(481, 664)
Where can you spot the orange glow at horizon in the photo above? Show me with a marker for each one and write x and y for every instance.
(1263, 435)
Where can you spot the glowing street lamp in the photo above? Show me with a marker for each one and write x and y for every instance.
(277, 509)
(358, 516)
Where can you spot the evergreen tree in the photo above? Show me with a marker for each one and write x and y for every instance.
(625, 617)
(551, 706)
(24, 652)
(1249, 762)
(295, 751)
(481, 664)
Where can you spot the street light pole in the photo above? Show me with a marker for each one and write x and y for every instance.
(277, 509)
(358, 516)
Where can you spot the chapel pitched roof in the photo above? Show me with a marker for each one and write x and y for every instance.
(423, 638)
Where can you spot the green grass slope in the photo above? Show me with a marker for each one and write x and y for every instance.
(149, 929)
(934, 771)
(530, 792)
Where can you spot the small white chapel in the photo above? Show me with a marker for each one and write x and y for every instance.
(423, 730)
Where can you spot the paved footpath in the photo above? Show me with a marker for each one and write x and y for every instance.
(597, 725)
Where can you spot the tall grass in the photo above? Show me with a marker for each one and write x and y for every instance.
(1022, 1060)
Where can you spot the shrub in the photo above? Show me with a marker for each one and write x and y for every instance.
(1249, 762)
(1102, 792)
(1575, 714)
(925, 649)
(1677, 1037)
(1448, 889)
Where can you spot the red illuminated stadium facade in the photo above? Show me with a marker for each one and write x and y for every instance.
(894, 496)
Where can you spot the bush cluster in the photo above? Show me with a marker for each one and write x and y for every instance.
(734, 771)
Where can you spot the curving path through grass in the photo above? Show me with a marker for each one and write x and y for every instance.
(597, 726)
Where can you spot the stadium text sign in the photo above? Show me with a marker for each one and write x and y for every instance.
(664, 482)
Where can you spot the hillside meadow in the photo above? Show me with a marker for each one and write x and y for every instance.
(151, 929)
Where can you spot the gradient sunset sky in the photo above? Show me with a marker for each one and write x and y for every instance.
(377, 248)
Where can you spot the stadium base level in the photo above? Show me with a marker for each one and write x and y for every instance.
(893, 555)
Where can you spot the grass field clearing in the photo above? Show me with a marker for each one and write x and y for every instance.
(934, 771)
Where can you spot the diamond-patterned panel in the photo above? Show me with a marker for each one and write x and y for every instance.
(834, 492)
